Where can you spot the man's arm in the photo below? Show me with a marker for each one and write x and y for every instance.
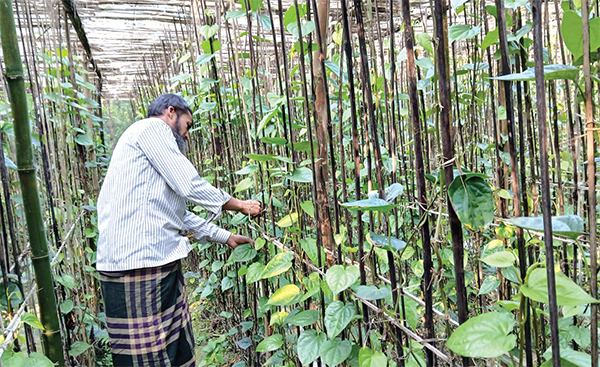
(204, 231)
(157, 143)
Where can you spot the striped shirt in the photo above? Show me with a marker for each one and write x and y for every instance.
(142, 216)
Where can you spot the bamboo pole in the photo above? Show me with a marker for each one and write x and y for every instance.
(51, 337)
(591, 178)
(546, 209)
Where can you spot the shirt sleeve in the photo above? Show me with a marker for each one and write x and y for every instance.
(158, 144)
(204, 231)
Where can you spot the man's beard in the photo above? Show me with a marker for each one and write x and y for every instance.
(181, 141)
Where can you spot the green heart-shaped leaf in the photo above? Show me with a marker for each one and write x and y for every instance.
(340, 278)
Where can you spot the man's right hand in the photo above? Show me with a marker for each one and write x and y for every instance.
(236, 240)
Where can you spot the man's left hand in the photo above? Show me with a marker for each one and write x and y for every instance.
(236, 240)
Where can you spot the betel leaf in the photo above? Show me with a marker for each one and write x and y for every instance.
(285, 295)
(66, 306)
(242, 253)
(280, 263)
(206, 46)
(304, 318)
(568, 293)
(334, 352)
(307, 28)
(484, 336)
(262, 157)
(205, 58)
(490, 38)
(340, 278)
(251, 168)
(309, 208)
(254, 4)
(78, 348)
(288, 220)
(244, 343)
(391, 192)
(500, 259)
(473, 200)
(309, 344)
(565, 225)
(270, 343)
(309, 246)
(278, 318)
(424, 39)
(227, 283)
(244, 184)
(266, 118)
(387, 243)
(84, 139)
(372, 292)
(337, 316)
(370, 358)
(490, 283)
(569, 358)
(372, 204)
(254, 273)
(290, 14)
(571, 29)
(276, 141)
(259, 243)
(551, 72)
(462, 32)
(302, 174)
(32, 321)
(209, 30)
(234, 14)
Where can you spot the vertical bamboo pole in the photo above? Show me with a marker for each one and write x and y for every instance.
(449, 157)
(591, 177)
(546, 209)
(420, 168)
(51, 337)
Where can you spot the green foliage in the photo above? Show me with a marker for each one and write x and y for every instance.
(567, 292)
(340, 278)
(337, 316)
(571, 29)
(484, 336)
(285, 295)
(279, 264)
(270, 343)
(551, 72)
(566, 225)
(369, 358)
(500, 259)
(310, 344)
(19, 359)
(473, 200)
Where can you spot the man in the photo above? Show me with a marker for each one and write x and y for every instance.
(143, 227)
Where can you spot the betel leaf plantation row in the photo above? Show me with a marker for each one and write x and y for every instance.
(427, 171)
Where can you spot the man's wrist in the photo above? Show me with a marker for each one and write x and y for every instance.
(234, 205)
(221, 236)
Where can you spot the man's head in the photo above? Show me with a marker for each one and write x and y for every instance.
(175, 111)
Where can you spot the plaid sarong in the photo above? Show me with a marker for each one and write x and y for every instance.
(148, 318)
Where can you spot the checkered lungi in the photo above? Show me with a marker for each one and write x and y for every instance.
(148, 318)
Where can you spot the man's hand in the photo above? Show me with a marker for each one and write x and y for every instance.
(246, 207)
(251, 207)
(236, 240)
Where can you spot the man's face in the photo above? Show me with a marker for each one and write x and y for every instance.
(183, 123)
